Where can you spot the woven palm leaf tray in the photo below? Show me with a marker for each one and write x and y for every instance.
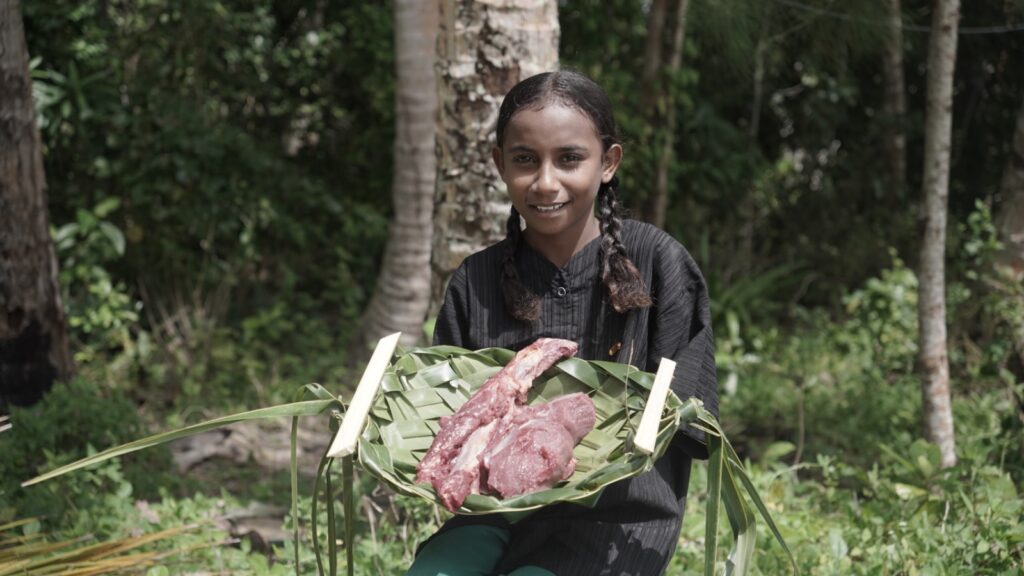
(423, 385)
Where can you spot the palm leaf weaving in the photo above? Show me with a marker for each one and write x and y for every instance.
(426, 384)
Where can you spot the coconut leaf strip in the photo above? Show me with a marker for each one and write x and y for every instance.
(306, 408)
(742, 521)
(741, 474)
(321, 467)
(332, 537)
(715, 465)
(348, 503)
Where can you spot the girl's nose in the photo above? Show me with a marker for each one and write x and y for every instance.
(546, 181)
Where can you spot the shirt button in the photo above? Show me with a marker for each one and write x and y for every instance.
(560, 291)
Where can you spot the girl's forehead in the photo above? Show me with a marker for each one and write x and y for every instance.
(550, 121)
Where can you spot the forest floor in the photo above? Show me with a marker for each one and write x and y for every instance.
(252, 460)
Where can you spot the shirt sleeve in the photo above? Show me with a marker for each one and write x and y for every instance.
(452, 326)
(682, 331)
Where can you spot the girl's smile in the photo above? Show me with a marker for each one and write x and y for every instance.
(553, 163)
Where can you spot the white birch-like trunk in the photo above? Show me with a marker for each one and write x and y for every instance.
(895, 107)
(33, 339)
(485, 48)
(933, 355)
(402, 294)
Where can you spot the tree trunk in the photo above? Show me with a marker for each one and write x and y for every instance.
(657, 203)
(895, 106)
(652, 61)
(758, 98)
(33, 341)
(485, 48)
(933, 357)
(402, 294)
(1010, 221)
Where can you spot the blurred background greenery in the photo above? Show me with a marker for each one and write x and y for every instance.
(219, 181)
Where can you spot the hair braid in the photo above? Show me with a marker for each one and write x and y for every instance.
(520, 302)
(625, 287)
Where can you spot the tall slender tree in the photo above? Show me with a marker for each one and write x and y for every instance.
(402, 294)
(657, 201)
(1010, 220)
(33, 340)
(933, 355)
(895, 106)
(652, 58)
(484, 49)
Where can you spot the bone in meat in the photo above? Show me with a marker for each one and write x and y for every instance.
(492, 401)
(533, 447)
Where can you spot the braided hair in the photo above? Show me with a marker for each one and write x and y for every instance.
(626, 288)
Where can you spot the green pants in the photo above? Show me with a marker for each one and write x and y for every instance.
(467, 551)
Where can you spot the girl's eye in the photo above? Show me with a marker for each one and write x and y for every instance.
(572, 159)
(522, 158)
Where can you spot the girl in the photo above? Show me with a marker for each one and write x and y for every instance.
(623, 290)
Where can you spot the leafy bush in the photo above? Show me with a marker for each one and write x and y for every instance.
(100, 310)
(72, 420)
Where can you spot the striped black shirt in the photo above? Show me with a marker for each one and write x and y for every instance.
(635, 525)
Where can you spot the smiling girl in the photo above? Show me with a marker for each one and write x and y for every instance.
(623, 290)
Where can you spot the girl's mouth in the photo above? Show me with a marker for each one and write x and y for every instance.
(548, 208)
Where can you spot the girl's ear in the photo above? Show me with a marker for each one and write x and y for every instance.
(610, 162)
(499, 161)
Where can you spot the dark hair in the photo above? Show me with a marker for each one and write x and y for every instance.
(625, 287)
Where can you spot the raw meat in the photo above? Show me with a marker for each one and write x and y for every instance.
(533, 447)
(453, 473)
(464, 477)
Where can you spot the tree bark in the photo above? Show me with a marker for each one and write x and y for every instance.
(485, 48)
(757, 101)
(652, 60)
(933, 356)
(33, 339)
(895, 106)
(402, 295)
(1010, 220)
(657, 203)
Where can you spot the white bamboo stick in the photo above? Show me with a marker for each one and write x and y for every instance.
(647, 432)
(359, 408)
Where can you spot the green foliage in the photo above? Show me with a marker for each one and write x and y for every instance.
(100, 310)
(830, 410)
(883, 316)
(223, 164)
(67, 425)
(217, 173)
(901, 515)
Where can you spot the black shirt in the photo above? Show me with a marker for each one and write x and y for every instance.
(635, 525)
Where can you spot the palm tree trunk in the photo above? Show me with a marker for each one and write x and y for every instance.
(402, 294)
(933, 355)
(33, 340)
(485, 48)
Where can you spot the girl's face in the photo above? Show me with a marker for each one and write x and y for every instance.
(553, 163)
